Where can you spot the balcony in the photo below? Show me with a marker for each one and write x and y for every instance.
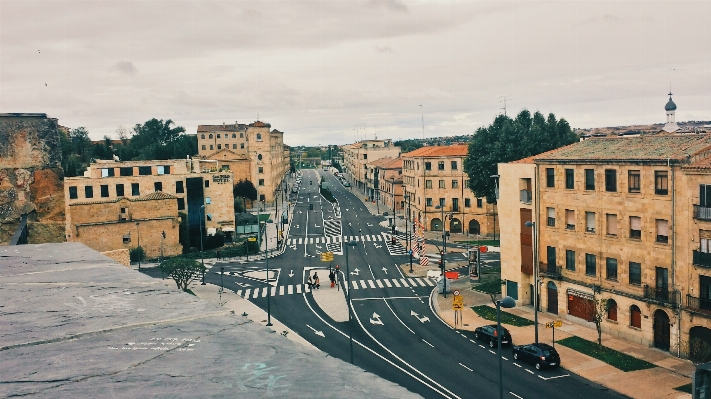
(702, 305)
(661, 295)
(702, 213)
(555, 272)
(702, 259)
(525, 196)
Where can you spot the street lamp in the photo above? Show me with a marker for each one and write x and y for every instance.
(506, 302)
(202, 256)
(408, 241)
(350, 310)
(392, 180)
(269, 286)
(496, 194)
(139, 250)
(535, 278)
(444, 249)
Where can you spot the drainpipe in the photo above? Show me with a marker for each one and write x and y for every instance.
(673, 260)
(536, 238)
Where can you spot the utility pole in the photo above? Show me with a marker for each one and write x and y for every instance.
(423, 122)
(505, 98)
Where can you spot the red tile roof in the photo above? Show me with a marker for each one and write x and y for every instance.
(439, 151)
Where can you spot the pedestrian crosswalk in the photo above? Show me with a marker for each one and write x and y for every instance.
(295, 289)
(332, 227)
(396, 248)
(334, 240)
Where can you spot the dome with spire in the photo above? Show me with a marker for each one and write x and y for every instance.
(670, 105)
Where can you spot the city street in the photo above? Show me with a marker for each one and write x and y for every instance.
(396, 334)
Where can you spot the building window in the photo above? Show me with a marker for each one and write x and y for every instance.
(611, 268)
(234, 146)
(466, 183)
(610, 180)
(611, 310)
(428, 201)
(467, 202)
(569, 219)
(208, 200)
(635, 273)
(135, 191)
(590, 179)
(261, 197)
(570, 260)
(234, 136)
(551, 216)
(158, 186)
(428, 165)
(590, 222)
(241, 135)
(479, 203)
(207, 183)
(261, 182)
(210, 136)
(454, 165)
(428, 183)
(181, 204)
(127, 238)
(259, 137)
(661, 182)
(635, 227)
(218, 135)
(550, 177)
(88, 192)
(144, 170)
(241, 145)
(259, 157)
(211, 147)
(73, 192)
(163, 170)
(204, 147)
(104, 190)
(550, 258)
(662, 231)
(455, 183)
(705, 195)
(634, 181)
(569, 179)
(107, 172)
(365, 156)
(219, 146)
(441, 184)
(442, 202)
(440, 165)
(209, 217)
(590, 264)
(179, 187)
(611, 220)
(126, 171)
(260, 169)
(635, 317)
(119, 190)
(202, 136)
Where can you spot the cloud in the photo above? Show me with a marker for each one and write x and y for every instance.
(124, 67)
(384, 49)
(394, 5)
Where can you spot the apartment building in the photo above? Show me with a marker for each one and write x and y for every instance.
(389, 184)
(115, 203)
(622, 220)
(252, 152)
(357, 156)
(435, 177)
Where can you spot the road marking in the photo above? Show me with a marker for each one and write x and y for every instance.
(391, 309)
(290, 289)
(363, 284)
(396, 283)
(428, 343)
(412, 282)
(370, 283)
(554, 377)
(429, 282)
(482, 346)
(273, 293)
(390, 297)
(380, 284)
(255, 293)
(492, 351)
(355, 284)
(387, 283)
(239, 292)
(298, 289)
(517, 365)
(465, 367)
(422, 283)
(404, 282)
(519, 397)
(529, 371)
(264, 292)
(281, 290)
(472, 341)
(462, 335)
(504, 358)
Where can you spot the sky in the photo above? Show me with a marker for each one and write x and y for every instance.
(337, 71)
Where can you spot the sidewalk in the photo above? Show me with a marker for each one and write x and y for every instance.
(658, 382)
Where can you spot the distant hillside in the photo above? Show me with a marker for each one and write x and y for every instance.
(686, 127)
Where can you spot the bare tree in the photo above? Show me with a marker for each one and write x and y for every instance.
(595, 310)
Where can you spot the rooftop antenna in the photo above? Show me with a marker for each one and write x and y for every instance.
(505, 98)
(423, 122)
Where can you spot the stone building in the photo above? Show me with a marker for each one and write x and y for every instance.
(151, 193)
(251, 152)
(356, 157)
(434, 176)
(388, 179)
(622, 220)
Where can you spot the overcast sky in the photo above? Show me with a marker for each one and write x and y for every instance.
(317, 70)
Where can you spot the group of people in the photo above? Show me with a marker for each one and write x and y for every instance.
(314, 282)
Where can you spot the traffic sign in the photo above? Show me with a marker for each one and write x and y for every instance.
(457, 306)
(457, 301)
(456, 292)
(252, 239)
(326, 256)
(554, 324)
(483, 248)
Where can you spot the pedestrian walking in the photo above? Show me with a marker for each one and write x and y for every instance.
(332, 277)
(310, 283)
(217, 253)
(317, 282)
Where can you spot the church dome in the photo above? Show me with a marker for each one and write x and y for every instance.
(670, 105)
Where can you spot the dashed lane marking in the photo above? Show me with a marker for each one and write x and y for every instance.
(529, 371)
(465, 367)
(428, 343)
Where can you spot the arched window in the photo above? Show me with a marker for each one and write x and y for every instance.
(234, 135)
(259, 137)
(474, 227)
(611, 310)
(259, 157)
(241, 135)
(436, 225)
(210, 136)
(635, 316)
(202, 136)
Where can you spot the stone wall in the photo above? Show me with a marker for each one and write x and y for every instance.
(122, 256)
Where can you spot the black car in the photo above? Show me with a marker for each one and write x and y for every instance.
(542, 355)
(488, 333)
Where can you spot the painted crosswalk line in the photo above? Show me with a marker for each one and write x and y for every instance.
(291, 289)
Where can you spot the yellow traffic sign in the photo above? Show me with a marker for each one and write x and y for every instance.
(326, 256)
(457, 305)
(251, 239)
(554, 324)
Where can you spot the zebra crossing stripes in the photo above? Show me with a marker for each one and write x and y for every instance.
(292, 289)
(334, 239)
(332, 228)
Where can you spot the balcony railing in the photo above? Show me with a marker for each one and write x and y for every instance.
(551, 271)
(702, 259)
(698, 304)
(702, 212)
(661, 295)
(525, 196)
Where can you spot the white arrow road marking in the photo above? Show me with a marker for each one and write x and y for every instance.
(291, 273)
(422, 320)
(319, 247)
(376, 319)
(369, 225)
(350, 224)
(356, 272)
(316, 225)
(319, 333)
(385, 270)
(346, 209)
(297, 226)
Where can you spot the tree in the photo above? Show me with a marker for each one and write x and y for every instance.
(408, 145)
(596, 309)
(157, 139)
(245, 189)
(182, 270)
(507, 140)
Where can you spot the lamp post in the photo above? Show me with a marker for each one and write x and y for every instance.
(535, 278)
(348, 291)
(408, 241)
(138, 232)
(269, 286)
(506, 302)
(162, 237)
(392, 182)
(444, 249)
(202, 256)
(496, 194)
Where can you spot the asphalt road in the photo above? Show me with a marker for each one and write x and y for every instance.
(396, 333)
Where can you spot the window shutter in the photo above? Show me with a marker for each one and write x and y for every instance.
(662, 227)
(612, 224)
(635, 223)
(590, 220)
(569, 216)
(551, 212)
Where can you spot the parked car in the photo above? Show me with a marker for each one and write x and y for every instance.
(488, 333)
(346, 184)
(542, 355)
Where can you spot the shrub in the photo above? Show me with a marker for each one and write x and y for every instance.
(137, 253)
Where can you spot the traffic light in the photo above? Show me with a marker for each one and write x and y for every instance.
(163, 233)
